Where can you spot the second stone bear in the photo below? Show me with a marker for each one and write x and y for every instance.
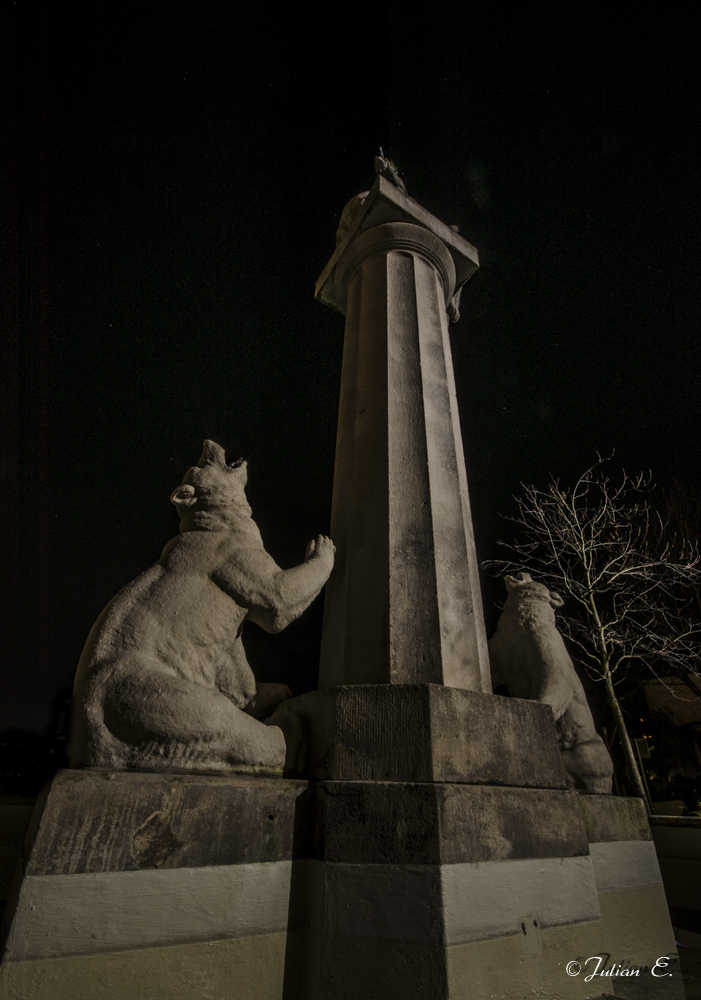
(528, 655)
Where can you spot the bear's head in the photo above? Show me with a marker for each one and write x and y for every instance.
(211, 492)
(522, 586)
(527, 653)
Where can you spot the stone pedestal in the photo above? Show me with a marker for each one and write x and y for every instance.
(449, 891)
(449, 852)
(636, 928)
(428, 733)
(457, 890)
(175, 887)
(158, 887)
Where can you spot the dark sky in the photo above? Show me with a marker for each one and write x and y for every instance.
(175, 179)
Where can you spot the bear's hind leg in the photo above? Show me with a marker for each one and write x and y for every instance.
(588, 767)
(163, 721)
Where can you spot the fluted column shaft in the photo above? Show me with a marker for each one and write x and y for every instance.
(403, 604)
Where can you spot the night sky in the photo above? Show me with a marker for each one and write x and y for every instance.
(175, 179)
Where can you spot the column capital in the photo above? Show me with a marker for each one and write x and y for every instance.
(385, 203)
(399, 236)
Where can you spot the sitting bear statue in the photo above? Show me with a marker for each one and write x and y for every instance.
(163, 683)
(527, 654)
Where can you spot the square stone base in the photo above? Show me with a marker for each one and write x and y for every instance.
(175, 887)
(428, 732)
(157, 886)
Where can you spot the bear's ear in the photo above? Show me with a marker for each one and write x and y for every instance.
(183, 496)
(520, 580)
(555, 600)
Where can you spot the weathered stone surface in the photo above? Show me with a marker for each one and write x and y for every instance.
(111, 821)
(99, 912)
(147, 865)
(613, 817)
(634, 912)
(428, 732)
(96, 821)
(625, 864)
(527, 654)
(404, 604)
(190, 971)
(432, 823)
(163, 680)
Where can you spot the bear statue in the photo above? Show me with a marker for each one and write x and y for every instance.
(528, 655)
(163, 683)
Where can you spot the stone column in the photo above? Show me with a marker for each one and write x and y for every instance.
(403, 605)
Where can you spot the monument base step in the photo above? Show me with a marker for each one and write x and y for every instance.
(181, 887)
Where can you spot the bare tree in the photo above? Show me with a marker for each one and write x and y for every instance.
(627, 579)
(681, 507)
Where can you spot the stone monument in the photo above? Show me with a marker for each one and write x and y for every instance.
(452, 858)
(425, 844)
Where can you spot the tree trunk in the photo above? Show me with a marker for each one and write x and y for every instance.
(627, 745)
